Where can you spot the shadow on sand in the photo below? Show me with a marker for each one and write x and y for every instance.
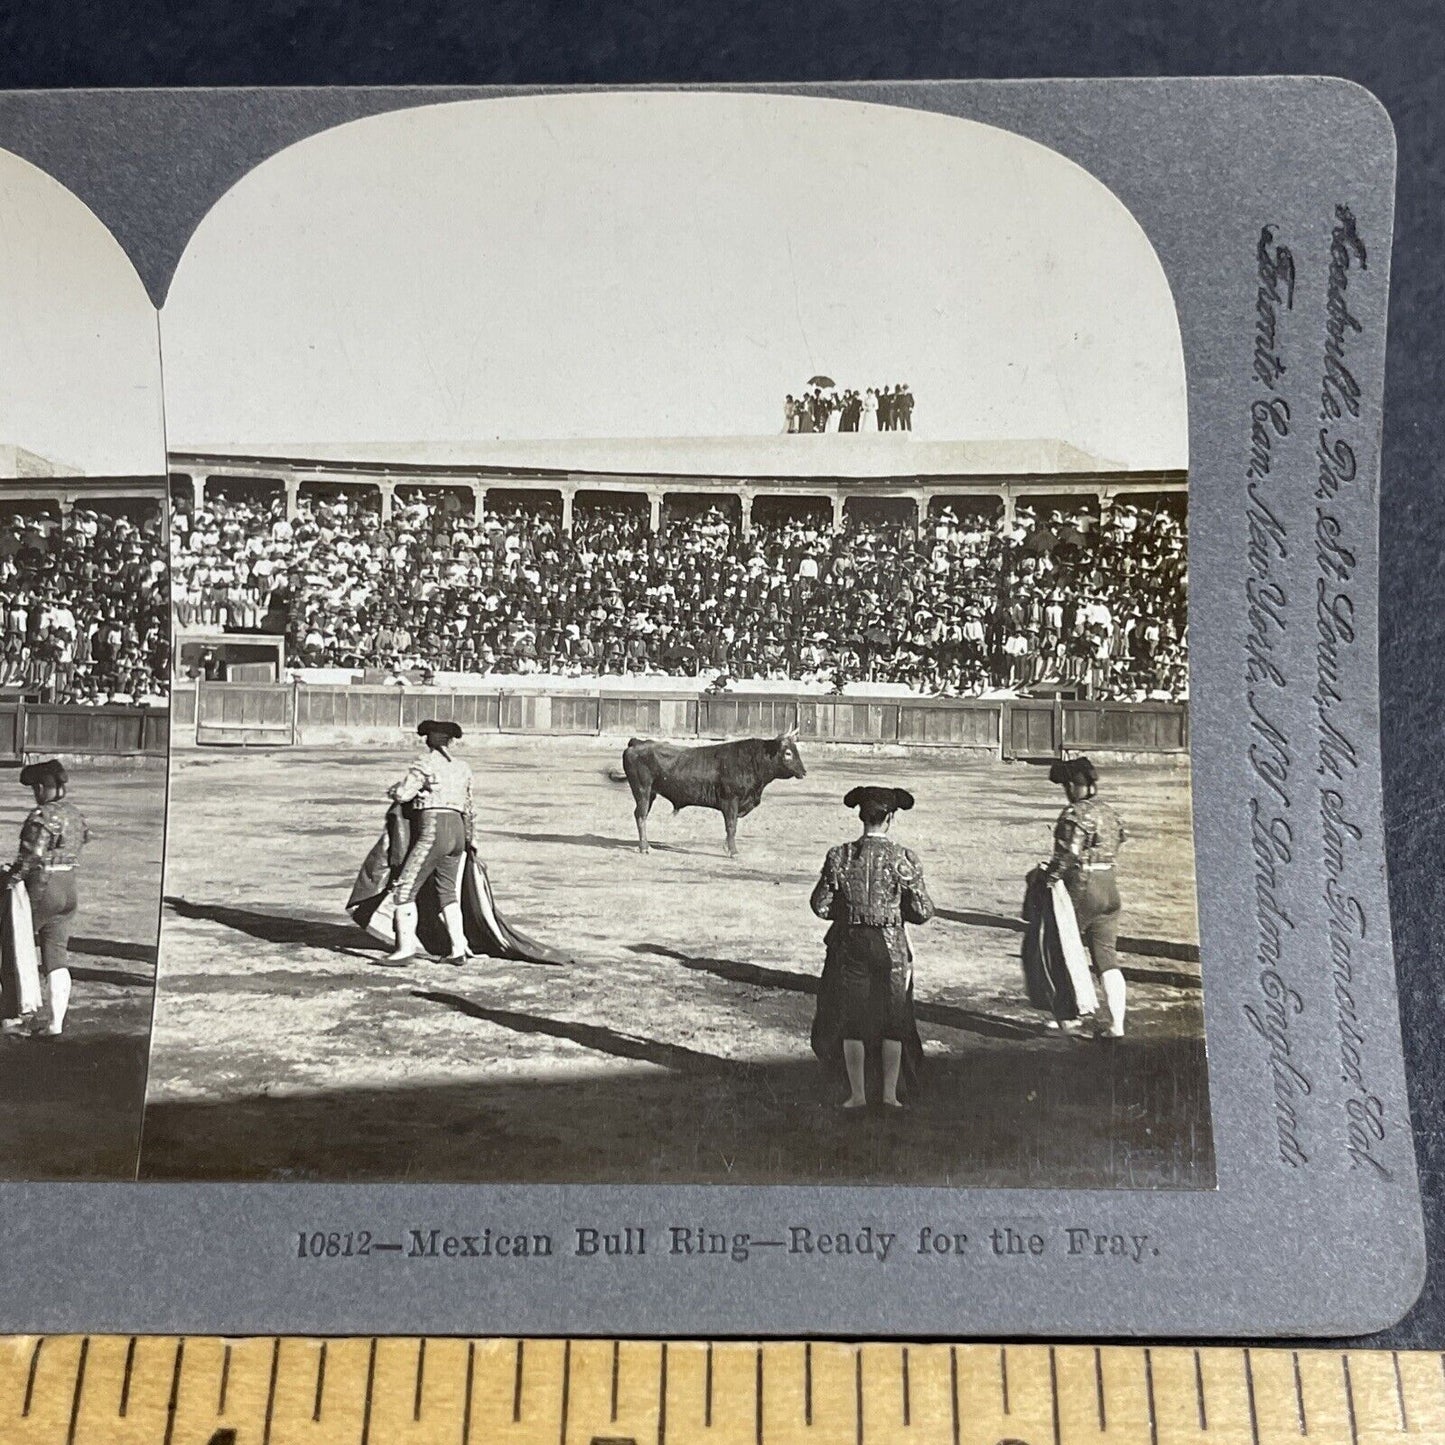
(1144, 947)
(1130, 1115)
(113, 976)
(115, 948)
(276, 927)
(949, 1015)
(589, 1036)
(73, 1106)
(578, 840)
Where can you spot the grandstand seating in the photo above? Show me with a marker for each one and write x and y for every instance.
(1088, 602)
(84, 600)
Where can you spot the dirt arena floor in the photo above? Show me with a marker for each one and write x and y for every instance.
(677, 1049)
(72, 1107)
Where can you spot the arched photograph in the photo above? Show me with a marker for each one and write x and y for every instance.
(84, 680)
(680, 660)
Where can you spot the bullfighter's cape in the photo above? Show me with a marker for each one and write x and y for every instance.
(19, 968)
(371, 905)
(1056, 966)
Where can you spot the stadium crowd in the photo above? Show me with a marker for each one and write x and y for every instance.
(971, 605)
(85, 606)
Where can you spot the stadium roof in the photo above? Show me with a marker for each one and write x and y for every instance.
(845, 455)
(20, 462)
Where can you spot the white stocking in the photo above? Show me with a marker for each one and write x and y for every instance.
(1116, 993)
(59, 998)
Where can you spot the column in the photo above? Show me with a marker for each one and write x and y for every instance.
(1008, 506)
(654, 502)
(388, 498)
(479, 502)
(837, 500)
(293, 494)
(198, 491)
(569, 495)
(920, 512)
(746, 514)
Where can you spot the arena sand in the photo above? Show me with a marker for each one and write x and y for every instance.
(72, 1107)
(677, 1049)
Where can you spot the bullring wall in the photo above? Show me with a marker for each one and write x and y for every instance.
(281, 714)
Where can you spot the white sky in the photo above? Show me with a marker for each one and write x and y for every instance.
(668, 265)
(80, 379)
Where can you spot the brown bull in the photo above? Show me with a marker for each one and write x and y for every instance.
(729, 777)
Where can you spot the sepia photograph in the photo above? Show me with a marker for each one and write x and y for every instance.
(680, 660)
(85, 667)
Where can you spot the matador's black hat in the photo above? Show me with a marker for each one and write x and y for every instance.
(896, 800)
(51, 771)
(1074, 770)
(447, 728)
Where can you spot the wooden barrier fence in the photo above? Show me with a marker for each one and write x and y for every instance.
(281, 713)
(28, 728)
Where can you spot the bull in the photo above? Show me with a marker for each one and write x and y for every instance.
(729, 777)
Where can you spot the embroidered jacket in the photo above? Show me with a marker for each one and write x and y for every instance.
(51, 837)
(872, 883)
(1087, 832)
(437, 780)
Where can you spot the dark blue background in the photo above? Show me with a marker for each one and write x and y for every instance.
(1394, 47)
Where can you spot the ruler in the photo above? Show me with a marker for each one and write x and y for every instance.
(155, 1390)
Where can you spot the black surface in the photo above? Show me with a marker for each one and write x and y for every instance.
(1396, 49)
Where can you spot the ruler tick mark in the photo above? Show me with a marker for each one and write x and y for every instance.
(173, 1404)
(1199, 1391)
(953, 1382)
(125, 1378)
(907, 1402)
(517, 1382)
(1350, 1400)
(1299, 1395)
(662, 1393)
(566, 1387)
(271, 1393)
(370, 1388)
(707, 1395)
(808, 1384)
(466, 1409)
(1149, 1393)
(616, 1361)
(467, 1399)
(1400, 1394)
(1054, 1392)
(420, 1377)
(858, 1396)
(1099, 1388)
(1249, 1387)
(79, 1386)
(320, 1382)
(758, 1409)
(1003, 1375)
(225, 1381)
(30, 1380)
